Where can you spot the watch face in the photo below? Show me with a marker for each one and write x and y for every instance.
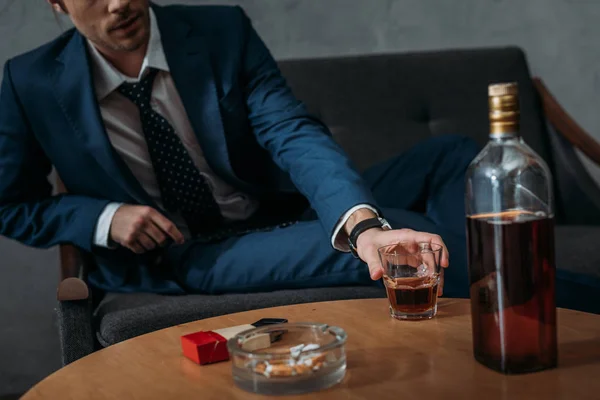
(385, 224)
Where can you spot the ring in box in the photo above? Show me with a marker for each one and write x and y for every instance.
(305, 358)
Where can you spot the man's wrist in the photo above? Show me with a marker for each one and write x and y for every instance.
(357, 217)
(103, 225)
(339, 238)
(365, 228)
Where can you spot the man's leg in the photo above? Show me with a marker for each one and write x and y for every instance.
(429, 179)
(301, 255)
(295, 257)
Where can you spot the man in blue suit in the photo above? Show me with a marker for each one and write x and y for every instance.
(191, 167)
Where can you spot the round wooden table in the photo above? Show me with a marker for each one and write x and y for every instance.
(387, 359)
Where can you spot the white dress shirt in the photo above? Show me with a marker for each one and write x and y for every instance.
(124, 129)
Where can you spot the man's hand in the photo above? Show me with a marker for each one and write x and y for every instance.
(370, 240)
(141, 228)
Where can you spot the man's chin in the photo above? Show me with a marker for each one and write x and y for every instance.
(131, 44)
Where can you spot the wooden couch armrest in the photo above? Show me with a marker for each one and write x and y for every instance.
(73, 268)
(565, 124)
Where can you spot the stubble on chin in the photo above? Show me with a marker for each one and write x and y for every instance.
(131, 47)
(125, 46)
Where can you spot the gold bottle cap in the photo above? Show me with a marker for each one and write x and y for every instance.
(504, 109)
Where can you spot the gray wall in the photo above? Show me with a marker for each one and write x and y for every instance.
(559, 36)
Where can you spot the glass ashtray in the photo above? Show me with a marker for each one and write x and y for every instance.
(288, 358)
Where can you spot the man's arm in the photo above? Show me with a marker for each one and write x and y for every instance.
(299, 143)
(28, 212)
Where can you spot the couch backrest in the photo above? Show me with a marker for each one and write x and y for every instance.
(379, 105)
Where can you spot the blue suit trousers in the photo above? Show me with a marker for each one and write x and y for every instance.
(421, 189)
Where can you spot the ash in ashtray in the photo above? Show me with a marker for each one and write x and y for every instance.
(297, 364)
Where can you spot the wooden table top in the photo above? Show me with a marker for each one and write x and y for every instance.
(386, 359)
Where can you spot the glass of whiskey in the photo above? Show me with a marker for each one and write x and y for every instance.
(411, 274)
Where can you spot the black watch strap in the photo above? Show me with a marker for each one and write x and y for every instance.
(360, 228)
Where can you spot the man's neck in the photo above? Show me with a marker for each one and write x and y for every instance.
(128, 63)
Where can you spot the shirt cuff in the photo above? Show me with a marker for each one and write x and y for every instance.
(339, 239)
(102, 234)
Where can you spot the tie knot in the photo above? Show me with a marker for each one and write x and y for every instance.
(139, 92)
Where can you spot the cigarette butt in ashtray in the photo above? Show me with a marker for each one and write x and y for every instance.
(208, 347)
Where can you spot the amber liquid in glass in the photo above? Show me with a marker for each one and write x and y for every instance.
(412, 295)
(512, 274)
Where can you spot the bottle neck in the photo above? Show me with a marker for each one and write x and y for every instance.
(504, 124)
(504, 113)
(503, 136)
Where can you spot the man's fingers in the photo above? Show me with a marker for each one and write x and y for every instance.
(156, 234)
(374, 264)
(375, 270)
(167, 227)
(414, 261)
(146, 242)
(434, 239)
(410, 236)
(136, 248)
(368, 249)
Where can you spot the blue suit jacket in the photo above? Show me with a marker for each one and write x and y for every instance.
(255, 134)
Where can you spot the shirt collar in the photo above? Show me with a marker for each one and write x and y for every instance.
(107, 78)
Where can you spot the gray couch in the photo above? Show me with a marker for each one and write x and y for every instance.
(375, 106)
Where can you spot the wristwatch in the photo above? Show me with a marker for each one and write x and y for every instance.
(363, 226)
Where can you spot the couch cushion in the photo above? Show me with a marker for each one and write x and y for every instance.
(578, 262)
(122, 316)
(576, 251)
(377, 106)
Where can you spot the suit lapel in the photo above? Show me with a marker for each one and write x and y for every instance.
(188, 57)
(73, 87)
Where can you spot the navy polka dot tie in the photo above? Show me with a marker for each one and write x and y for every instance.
(183, 189)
